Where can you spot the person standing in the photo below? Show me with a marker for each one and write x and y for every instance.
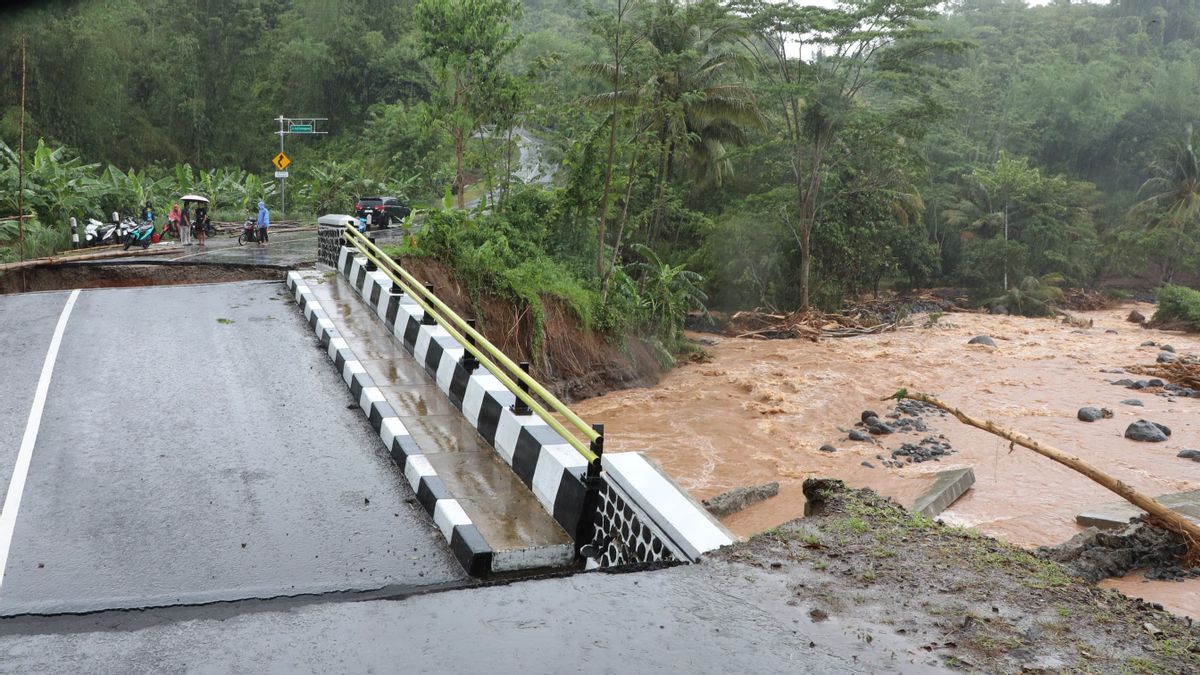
(263, 222)
(176, 223)
(148, 213)
(185, 222)
(202, 223)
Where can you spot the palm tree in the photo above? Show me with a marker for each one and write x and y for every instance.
(1173, 188)
(691, 99)
(695, 103)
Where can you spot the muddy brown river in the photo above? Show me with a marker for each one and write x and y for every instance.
(759, 411)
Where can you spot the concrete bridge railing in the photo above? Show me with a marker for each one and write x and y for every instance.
(619, 508)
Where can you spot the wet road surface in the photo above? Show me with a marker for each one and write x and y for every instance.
(196, 446)
(26, 324)
(294, 248)
(707, 618)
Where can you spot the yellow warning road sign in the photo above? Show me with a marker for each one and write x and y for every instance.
(281, 161)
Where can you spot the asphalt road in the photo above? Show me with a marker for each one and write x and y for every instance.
(196, 446)
(709, 618)
(285, 248)
(26, 324)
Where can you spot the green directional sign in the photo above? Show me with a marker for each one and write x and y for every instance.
(300, 129)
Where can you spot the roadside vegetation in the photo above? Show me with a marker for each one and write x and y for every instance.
(639, 157)
(1178, 305)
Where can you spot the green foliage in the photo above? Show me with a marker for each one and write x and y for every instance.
(885, 154)
(467, 42)
(499, 256)
(1032, 297)
(666, 294)
(1178, 304)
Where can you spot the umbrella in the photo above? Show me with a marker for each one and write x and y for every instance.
(193, 198)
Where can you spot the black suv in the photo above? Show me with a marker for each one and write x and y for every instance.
(380, 211)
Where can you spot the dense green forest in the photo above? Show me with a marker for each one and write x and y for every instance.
(746, 152)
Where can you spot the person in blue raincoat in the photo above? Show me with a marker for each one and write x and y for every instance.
(263, 222)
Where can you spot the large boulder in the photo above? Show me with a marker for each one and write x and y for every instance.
(1147, 432)
(1136, 317)
(982, 340)
(1193, 455)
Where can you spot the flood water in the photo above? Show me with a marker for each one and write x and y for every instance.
(759, 411)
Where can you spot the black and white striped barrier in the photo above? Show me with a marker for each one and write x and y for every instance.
(643, 516)
(539, 456)
(466, 542)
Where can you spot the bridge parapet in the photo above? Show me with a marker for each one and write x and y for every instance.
(618, 508)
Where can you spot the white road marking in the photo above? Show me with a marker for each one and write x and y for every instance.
(16, 485)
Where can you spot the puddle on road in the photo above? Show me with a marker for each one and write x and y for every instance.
(758, 411)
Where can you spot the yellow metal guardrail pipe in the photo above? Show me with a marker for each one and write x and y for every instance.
(480, 347)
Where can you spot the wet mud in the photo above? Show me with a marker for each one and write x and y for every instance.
(971, 603)
(759, 411)
(130, 274)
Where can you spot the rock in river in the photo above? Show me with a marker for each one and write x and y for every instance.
(735, 500)
(878, 427)
(856, 435)
(1090, 414)
(1147, 432)
(982, 340)
(1193, 455)
(1133, 402)
(828, 448)
(1136, 317)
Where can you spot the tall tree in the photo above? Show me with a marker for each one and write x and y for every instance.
(467, 41)
(1172, 193)
(822, 65)
(696, 101)
(620, 39)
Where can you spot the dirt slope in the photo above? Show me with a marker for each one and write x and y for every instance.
(977, 603)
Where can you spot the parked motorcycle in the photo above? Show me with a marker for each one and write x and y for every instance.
(249, 232)
(139, 234)
(171, 228)
(97, 233)
(91, 232)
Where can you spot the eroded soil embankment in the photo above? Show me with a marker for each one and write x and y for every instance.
(574, 363)
(119, 275)
(975, 603)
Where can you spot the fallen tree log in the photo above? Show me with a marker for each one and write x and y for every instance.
(105, 252)
(1161, 514)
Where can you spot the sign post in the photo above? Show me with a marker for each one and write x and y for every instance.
(289, 125)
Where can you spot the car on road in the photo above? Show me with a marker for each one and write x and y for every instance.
(380, 211)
